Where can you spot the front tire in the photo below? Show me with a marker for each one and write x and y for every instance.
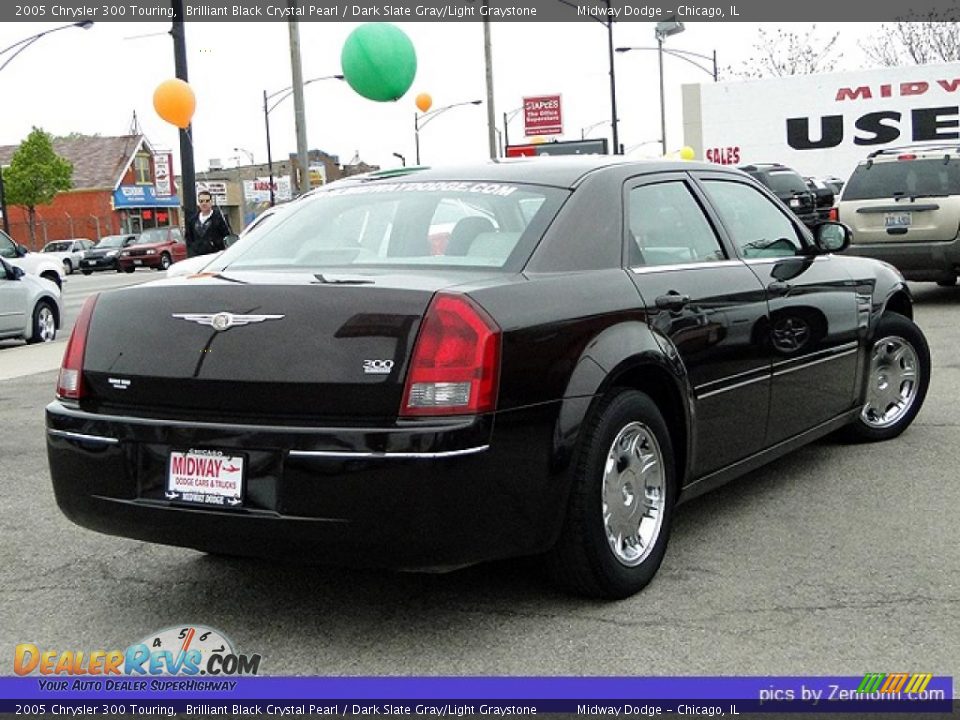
(621, 504)
(127, 268)
(44, 323)
(165, 261)
(67, 267)
(898, 376)
(86, 271)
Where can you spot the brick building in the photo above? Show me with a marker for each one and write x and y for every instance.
(120, 185)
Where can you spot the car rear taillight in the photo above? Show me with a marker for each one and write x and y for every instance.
(70, 382)
(834, 214)
(456, 361)
(906, 157)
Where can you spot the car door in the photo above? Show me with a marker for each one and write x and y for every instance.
(813, 319)
(13, 301)
(703, 304)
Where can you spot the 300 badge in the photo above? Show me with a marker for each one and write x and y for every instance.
(191, 650)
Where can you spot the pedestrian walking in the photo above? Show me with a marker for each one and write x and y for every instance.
(206, 229)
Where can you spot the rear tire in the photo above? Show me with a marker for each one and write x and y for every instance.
(86, 271)
(621, 503)
(949, 282)
(128, 268)
(67, 267)
(898, 376)
(44, 323)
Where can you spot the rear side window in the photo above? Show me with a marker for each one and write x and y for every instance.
(904, 178)
(667, 227)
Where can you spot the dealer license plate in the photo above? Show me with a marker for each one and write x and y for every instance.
(898, 220)
(206, 477)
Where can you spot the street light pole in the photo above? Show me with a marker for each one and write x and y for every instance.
(266, 122)
(663, 105)
(420, 121)
(267, 109)
(613, 83)
(20, 46)
(507, 117)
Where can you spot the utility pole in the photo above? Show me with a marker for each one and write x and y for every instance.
(188, 176)
(299, 114)
(488, 60)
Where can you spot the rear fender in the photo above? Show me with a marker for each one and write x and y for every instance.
(624, 355)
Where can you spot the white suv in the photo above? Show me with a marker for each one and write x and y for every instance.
(33, 263)
(903, 205)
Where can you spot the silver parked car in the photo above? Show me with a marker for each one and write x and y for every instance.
(30, 307)
(69, 252)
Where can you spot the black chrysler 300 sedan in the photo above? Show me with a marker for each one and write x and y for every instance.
(446, 366)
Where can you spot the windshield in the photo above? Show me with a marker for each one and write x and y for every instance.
(63, 246)
(111, 241)
(904, 178)
(463, 224)
(154, 235)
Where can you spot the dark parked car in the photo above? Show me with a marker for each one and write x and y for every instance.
(608, 339)
(156, 248)
(104, 255)
(824, 197)
(787, 184)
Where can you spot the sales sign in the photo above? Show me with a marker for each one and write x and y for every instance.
(541, 115)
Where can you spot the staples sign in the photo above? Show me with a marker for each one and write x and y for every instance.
(541, 115)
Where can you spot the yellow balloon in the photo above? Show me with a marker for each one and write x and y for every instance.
(424, 101)
(687, 153)
(175, 102)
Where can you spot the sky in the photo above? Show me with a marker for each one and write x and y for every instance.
(93, 81)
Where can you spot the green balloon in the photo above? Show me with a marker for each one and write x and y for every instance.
(379, 61)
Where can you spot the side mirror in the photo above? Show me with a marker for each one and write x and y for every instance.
(230, 240)
(832, 237)
(22, 250)
(18, 272)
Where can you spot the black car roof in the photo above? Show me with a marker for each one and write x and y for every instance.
(560, 171)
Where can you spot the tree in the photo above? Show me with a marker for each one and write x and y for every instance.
(920, 43)
(36, 174)
(780, 54)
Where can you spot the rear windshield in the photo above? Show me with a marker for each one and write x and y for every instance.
(786, 181)
(914, 178)
(453, 223)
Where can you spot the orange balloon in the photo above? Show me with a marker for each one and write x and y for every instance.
(175, 102)
(424, 101)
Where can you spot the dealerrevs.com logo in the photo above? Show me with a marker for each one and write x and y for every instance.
(183, 650)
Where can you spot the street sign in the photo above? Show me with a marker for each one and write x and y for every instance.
(596, 146)
(542, 115)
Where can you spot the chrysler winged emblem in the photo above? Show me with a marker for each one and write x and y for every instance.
(223, 320)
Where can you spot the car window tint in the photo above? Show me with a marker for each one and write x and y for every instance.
(903, 177)
(757, 226)
(667, 227)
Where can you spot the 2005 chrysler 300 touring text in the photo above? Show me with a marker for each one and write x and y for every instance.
(587, 342)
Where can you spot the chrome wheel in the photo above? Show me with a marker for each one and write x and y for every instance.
(46, 324)
(892, 383)
(633, 494)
